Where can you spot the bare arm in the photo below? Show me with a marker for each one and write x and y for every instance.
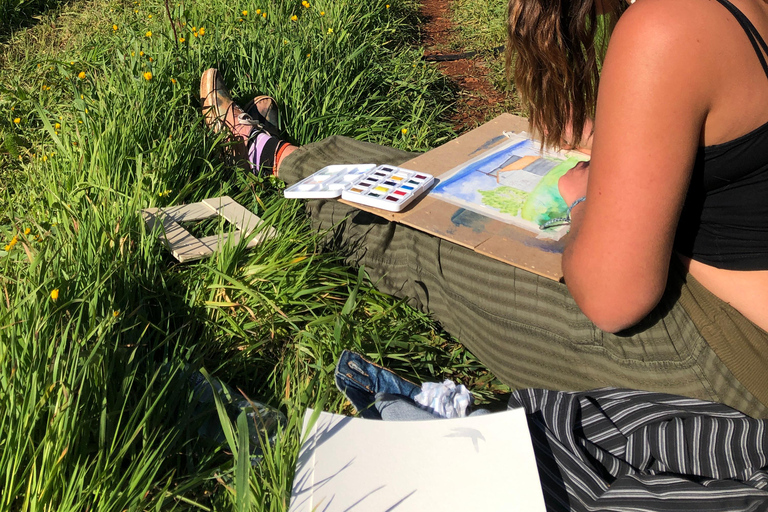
(650, 112)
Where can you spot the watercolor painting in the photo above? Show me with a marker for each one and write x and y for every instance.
(515, 183)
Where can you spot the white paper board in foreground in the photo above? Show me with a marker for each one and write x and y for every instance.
(477, 463)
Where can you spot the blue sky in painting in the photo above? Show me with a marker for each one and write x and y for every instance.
(465, 184)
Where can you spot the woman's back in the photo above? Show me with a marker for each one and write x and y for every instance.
(723, 230)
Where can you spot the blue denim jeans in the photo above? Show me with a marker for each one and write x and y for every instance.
(379, 394)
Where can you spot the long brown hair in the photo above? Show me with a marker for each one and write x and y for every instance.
(554, 54)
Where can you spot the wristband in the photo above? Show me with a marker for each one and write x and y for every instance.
(562, 221)
(573, 205)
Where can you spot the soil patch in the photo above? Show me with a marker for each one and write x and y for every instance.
(478, 100)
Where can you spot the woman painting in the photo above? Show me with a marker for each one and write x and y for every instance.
(666, 265)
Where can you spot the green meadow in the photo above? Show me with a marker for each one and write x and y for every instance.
(101, 329)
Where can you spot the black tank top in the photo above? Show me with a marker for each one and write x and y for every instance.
(724, 222)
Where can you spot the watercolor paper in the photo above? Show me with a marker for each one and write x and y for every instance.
(484, 463)
(514, 182)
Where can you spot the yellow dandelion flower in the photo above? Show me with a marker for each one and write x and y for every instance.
(55, 294)
(245, 13)
(116, 313)
(136, 11)
(308, 55)
(27, 231)
(148, 76)
(141, 54)
(194, 29)
(17, 120)
(72, 62)
(202, 31)
(151, 59)
(7, 248)
(285, 41)
(81, 75)
(194, 34)
(387, 6)
(56, 126)
(330, 30)
(45, 158)
(322, 13)
(173, 81)
(305, 4)
(294, 17)
(184, 24)
(149, 17)
(264, 15)
(258, 11)
(148, 34)
(82, 97)
(114, 28)
(181, 39)
(404, 131)
(133, 54)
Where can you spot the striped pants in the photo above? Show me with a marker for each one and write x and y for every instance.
(527, 329)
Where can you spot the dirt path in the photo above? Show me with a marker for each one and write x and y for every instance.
(477, 96)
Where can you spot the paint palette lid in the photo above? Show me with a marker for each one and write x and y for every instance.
(328, 182)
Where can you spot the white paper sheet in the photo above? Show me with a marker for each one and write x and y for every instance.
(477, 463)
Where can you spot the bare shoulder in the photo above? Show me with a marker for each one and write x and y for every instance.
(676, 39)
(660, 22)
(663, 22)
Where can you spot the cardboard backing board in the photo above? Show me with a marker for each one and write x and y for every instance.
(487, 236)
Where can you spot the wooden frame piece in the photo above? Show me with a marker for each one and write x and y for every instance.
(186, 247)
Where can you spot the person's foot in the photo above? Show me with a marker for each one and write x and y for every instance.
(223, 114)
(254, 136)
(264, 109)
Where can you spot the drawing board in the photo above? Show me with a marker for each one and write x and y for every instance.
(470, 223)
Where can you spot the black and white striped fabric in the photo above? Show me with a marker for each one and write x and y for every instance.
(625, 450)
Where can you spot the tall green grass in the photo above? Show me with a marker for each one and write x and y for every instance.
(100, 328)
(17, 14)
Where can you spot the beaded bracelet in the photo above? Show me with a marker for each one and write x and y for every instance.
(562, 221)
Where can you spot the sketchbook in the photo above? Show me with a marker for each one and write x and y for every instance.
(474, 463)
(494, 187)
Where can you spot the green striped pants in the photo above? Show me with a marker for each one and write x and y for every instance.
(527, 329)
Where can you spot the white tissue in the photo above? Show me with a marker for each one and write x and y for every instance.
(446, 400)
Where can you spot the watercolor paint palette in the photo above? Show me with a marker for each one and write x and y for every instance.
(386, 186)
(328, 182)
